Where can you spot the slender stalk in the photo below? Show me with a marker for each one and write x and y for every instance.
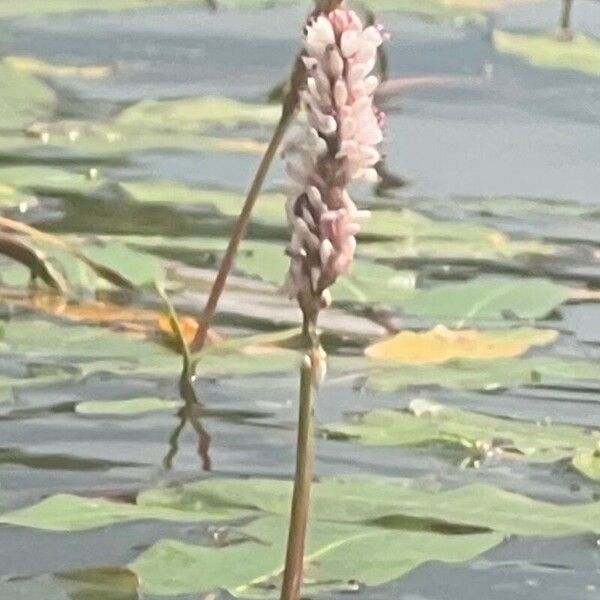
(305, 456)
(288, 112)
(241, 225)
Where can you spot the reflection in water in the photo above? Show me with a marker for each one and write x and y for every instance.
(190, 412)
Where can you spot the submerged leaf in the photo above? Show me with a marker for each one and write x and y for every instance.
(441, 344)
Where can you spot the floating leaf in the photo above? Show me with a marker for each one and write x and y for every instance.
(269, 209)
(354, 500)
(441, 344)
(416, 236)
(23, 98)
(35, 66)
(484, 374)
(37, 7)
(398, 524)
(49, 180)
(253, 568)
(426, 422)
(582, 53)
(588, 463)
(195, 114)
(135, 406)
(84, 347)
(196, 123)
(489, 299)
(109, 583)
(58, 462)
(64, 512)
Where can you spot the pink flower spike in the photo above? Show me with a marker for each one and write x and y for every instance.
(338, 144)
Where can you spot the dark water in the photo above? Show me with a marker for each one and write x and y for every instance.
(525, 132)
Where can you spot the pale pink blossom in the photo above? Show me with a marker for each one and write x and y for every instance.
(338, 144)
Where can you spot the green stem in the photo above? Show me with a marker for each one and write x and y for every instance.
(305, 456)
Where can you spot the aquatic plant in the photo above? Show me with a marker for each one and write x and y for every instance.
(337, 144)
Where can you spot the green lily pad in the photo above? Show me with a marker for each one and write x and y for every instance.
(65, 512)
(37, 7)
(489, 299)
(136, 406)
(195, 114)
(49, 180)
(196, 123)
(23, 97)
(582, 53)
(58, 462)
(87, 348)
(35, 66)
(588, 463)
(253, 568)
(519, 207)
(269, 209)
(426, 422)
(484, 375)
(399, 524)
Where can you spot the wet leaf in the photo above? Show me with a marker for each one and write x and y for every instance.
(426, 422)
(588, 463)
(65, 512)
(196, 123)
(58, 462)
(109, 583)
(489, 299)
(195, 114)
(418, 236)
(398, 524)
(582, 53)
(253, 568)
(23, 98)
(36, 7)
(49, 180)
(269, 209)
(484, 374)
(35, 66)
(135, 406)
(441, 344)
(86, 348)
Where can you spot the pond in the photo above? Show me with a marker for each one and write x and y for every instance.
(459, 424)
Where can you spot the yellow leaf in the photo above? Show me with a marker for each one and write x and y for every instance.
(442, 344)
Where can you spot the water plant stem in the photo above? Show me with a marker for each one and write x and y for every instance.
(305, 456)
(241, 225)
(288, 112)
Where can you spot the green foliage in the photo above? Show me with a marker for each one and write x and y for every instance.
(489, 299)
(135, 406)
(582, 53)
(426, 423)
(397, 524)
